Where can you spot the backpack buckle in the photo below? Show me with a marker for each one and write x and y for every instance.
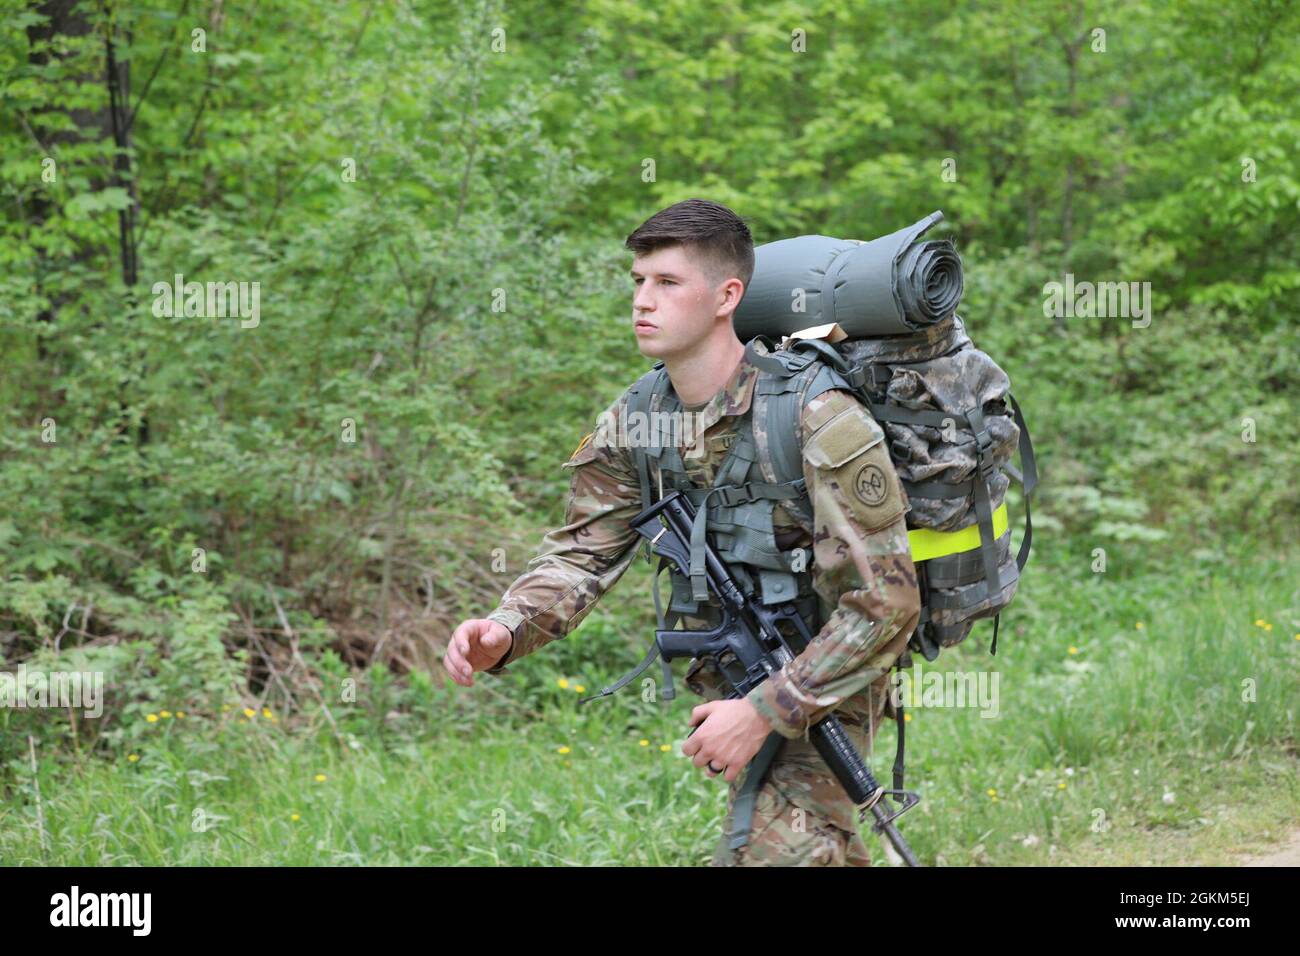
(983, 447)
(731, 495)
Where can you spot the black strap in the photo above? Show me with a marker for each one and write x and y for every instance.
(898, 754)
(628, 677)
(742, 814)
(1028, 480)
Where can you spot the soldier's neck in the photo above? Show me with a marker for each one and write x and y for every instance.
(703, 372)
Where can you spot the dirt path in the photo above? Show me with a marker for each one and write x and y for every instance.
(1288, 855)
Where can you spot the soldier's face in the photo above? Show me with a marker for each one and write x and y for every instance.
(676, 305)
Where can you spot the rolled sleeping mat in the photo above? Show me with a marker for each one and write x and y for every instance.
(889, 286)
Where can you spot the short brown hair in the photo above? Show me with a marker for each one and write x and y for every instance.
(717, 234)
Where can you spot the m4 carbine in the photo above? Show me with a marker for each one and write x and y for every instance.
(748, 647)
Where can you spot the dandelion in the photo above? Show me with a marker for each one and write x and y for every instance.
(320, 778)
(266, 712)
(643, 742)
(132, 758)
(1297, 637)
(1269, 628)
(164, 713)
(180, 714)
(562, 750)
(152, 718)
(665, 747)
(579, 688)
(1259, 622)
(564, 684)
(1139, 625)
(1061, 785)
(1073, 649)
(250, 713)
(294, 817)
(906, 717)
(992, 792)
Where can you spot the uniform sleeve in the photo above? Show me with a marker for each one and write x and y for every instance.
(862, 566)
(580, 561)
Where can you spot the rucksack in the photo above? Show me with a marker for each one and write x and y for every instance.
(883, 314)
(952, 426)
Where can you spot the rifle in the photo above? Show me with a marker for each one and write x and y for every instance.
(748, 647)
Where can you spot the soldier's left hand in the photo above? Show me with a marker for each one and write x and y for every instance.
(727, 733)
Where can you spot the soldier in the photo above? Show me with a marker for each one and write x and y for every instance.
(691, 265)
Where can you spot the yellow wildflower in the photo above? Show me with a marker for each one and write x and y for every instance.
(266, 712)
(180, 714)
(1061, 785)
(132, 757)
(164, 713)
(294, 817)
(665, 747)
(991, 792)
(906, 716)
(644, 743)
(1073, 649)
(320, 778)
(562, 750)
(564, 684)
(579, 688)
(1139, 625)
(250, 713)
(152, 718)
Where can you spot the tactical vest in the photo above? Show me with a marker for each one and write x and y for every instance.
(737, 511)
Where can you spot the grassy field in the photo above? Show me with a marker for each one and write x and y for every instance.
(1143, 717)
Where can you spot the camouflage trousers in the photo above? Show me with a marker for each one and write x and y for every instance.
(802, 817)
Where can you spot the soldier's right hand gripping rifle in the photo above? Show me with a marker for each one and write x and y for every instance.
(748, 647)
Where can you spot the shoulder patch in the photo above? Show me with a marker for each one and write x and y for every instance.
(848, 434)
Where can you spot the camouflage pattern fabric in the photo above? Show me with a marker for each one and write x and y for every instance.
(940, 370)
(801, 816)
(861, 570)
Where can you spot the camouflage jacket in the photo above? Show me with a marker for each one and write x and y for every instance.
(861, 563)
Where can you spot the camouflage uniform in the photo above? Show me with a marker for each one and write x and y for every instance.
(861, 570)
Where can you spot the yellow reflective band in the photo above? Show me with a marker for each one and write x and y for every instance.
(927, 543)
